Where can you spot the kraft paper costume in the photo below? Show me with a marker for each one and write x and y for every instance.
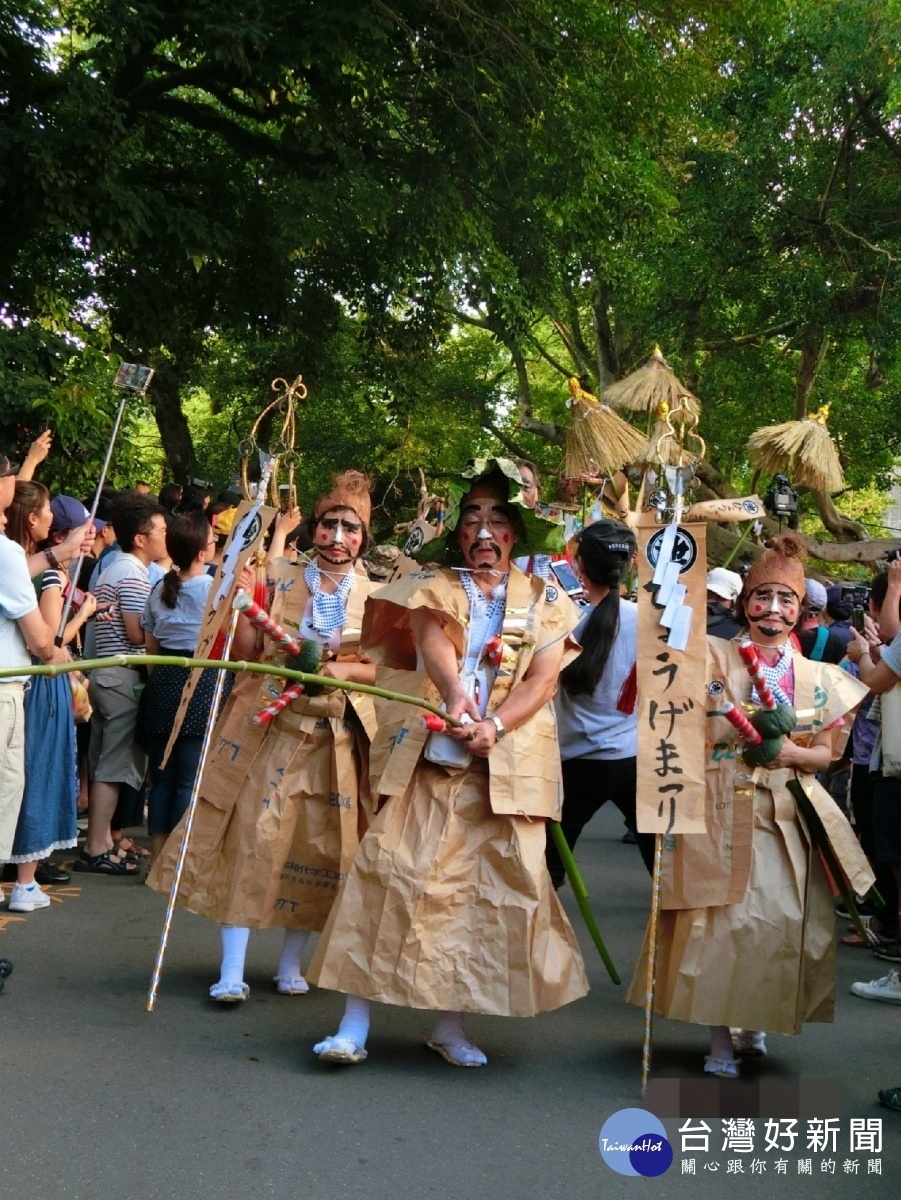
(448, 904)
(282, 807)
(747, 927)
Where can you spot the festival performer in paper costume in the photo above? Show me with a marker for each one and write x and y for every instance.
(448, 905)
(282, 806)
(747, 927)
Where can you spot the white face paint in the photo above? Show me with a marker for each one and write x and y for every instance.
(339, 535)
(483, 533)
(774, 607)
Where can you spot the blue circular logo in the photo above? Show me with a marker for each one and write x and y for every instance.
(633, 1142)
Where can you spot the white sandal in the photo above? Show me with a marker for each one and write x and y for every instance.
(455, 1053)
(721, 1068)
(340, 1050)
(229, 993)
(291, 985)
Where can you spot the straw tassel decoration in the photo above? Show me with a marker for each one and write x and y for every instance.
(664, 449)
(598, 442)
(650, 386)
(803, 450)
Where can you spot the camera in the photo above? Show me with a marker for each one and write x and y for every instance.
(892, 555)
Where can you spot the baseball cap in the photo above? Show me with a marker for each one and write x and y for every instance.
(723, 583)
(613, 537)
(816, 594)
(6, 467)
(69, 513)
(224, 521)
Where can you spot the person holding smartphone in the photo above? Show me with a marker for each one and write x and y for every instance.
(596, 719)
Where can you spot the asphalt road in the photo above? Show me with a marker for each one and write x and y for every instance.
(103, 1100)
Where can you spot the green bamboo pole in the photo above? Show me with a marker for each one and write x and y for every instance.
(738, 545)
(581, 894)
(167, 660)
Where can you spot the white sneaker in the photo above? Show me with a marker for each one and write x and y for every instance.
(27, 899)
(888, 988)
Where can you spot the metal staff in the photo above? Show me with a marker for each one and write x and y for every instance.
(678, 480)
(189, 820)
(146, 375)
(652, 964)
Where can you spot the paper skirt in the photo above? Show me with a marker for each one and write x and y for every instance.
(276, 853)
(766, 963)
(447, 906)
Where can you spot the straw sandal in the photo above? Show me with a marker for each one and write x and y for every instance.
(454, 1053)
(721, 1068)
(291, 985)
(340, 1050)
(229, 993)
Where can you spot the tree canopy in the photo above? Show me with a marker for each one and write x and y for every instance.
(437, 210)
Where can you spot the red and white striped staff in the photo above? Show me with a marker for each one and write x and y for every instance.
(739, 721)
(267, 715)
(751, 659)
(260, 618)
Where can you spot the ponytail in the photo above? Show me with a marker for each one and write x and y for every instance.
(583, 675)
(605, 551)
(170, 588)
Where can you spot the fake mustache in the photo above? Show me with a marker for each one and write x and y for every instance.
(337, 562)
(482, 545)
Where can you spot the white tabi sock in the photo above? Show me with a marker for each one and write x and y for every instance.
(348, 1045)
(234, 951)
(288, 975)
(355, 1022)
(449, 1038)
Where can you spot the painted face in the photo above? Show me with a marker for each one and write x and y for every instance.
(339, 537)
(485, 531)
(773, 610)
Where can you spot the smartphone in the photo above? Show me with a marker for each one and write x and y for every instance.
(857, 619)
(566, 577)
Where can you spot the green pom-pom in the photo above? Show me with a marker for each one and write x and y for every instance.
(309, 660)
(772, 722)
(762, 755)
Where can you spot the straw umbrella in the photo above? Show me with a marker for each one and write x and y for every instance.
(650, 386)
(803, 450)
(598, 442)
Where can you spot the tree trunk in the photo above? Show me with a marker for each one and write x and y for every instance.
(813, 352)
(178, 445)
(843, 529)
(525, 420)
(605, 346)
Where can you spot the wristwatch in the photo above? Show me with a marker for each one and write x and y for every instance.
(498, 725)
(52, 559)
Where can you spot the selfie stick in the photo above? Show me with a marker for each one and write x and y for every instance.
(126, 389)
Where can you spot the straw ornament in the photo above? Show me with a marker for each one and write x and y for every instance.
(666, 445)
(598, 442)
(650, 386)
(803, 450)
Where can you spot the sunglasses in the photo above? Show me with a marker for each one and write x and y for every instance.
(334, 522)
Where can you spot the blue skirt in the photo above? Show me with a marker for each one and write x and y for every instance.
(47, 820)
